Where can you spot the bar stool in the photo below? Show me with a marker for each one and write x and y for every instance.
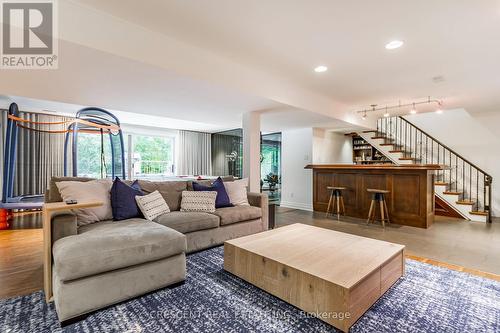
(378, 196)
(336, 195)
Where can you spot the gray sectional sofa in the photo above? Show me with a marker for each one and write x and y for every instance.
(108, 262)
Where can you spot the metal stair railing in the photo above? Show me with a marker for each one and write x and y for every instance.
(461, 175)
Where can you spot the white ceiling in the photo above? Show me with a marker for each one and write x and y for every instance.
(274, 120)
(139, 94)
(455, 39)
(131, 121)
(205, 63)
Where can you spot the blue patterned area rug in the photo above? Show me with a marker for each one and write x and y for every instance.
(427, 299)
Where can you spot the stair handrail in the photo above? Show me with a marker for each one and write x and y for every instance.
(445, 146)
(487, 178)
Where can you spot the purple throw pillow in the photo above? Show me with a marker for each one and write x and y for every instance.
(222, 199)
(123, 201)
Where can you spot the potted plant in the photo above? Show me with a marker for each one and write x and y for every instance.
(272, 180)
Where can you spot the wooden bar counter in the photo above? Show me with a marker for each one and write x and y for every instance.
(410, 201)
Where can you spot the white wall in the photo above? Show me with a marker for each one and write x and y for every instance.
(331, 147)
(296, 182)
(475, 136)
(307, 146)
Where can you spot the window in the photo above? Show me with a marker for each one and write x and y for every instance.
(152, 157)
(90, 153)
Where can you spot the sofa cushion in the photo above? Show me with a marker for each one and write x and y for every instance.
(230, 215)
(198, 201)
(171, 191)
(188, 221)
(152, 205)
(237, 192)
(92, 191)
(106, 246)
(54, 195)
(208, 182)
(123, 200)
(222, 199)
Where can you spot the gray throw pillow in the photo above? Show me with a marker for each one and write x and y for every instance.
(91, 191)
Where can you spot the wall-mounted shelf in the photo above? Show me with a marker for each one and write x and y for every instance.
(364, 153)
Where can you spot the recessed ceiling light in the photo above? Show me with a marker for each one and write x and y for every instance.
(394, 44)
(321, 69)
(439, 111)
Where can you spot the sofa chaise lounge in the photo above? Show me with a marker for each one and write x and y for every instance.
(107, 262)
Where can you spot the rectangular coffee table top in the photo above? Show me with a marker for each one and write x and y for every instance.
(337, 257)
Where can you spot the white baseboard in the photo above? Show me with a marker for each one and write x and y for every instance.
(296, 205)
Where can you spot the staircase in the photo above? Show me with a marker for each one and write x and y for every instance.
(463, 186)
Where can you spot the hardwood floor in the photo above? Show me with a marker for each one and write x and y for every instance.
(455, 244)
(21, 263)
(467, 246)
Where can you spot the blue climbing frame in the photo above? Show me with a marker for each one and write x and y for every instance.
(99, 117)
(90, 115)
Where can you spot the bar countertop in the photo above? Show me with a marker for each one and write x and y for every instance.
(375, 166)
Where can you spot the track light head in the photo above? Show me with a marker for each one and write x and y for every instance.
(413, 109)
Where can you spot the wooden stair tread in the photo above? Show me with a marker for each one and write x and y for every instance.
(387, 144)
(465, 202)
(372, 131)
(396, 151)
(482, 213)
(406, 158)
(441, 183)
(379, 137)
(452, 192)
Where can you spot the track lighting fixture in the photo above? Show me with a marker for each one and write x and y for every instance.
(413, 109)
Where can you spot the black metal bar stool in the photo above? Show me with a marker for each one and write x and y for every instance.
(378, 196)
(337, 199)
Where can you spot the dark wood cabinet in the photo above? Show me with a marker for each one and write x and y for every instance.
(410, 201)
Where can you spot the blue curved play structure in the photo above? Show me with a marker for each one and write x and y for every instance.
(8, 199)
(90, 120)
(98, 117)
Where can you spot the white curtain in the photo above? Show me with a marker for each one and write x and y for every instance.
(195, 153)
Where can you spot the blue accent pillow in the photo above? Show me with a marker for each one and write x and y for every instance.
(123, 201)
(222, 199)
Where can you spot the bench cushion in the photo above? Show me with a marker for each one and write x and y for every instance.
(188, 221)
(106, 246)
(171, 191)
(230, 215)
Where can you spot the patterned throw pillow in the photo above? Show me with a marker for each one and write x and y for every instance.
(152, 205)
(198, 201)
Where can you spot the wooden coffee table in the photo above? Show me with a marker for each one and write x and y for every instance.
(334, 275)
